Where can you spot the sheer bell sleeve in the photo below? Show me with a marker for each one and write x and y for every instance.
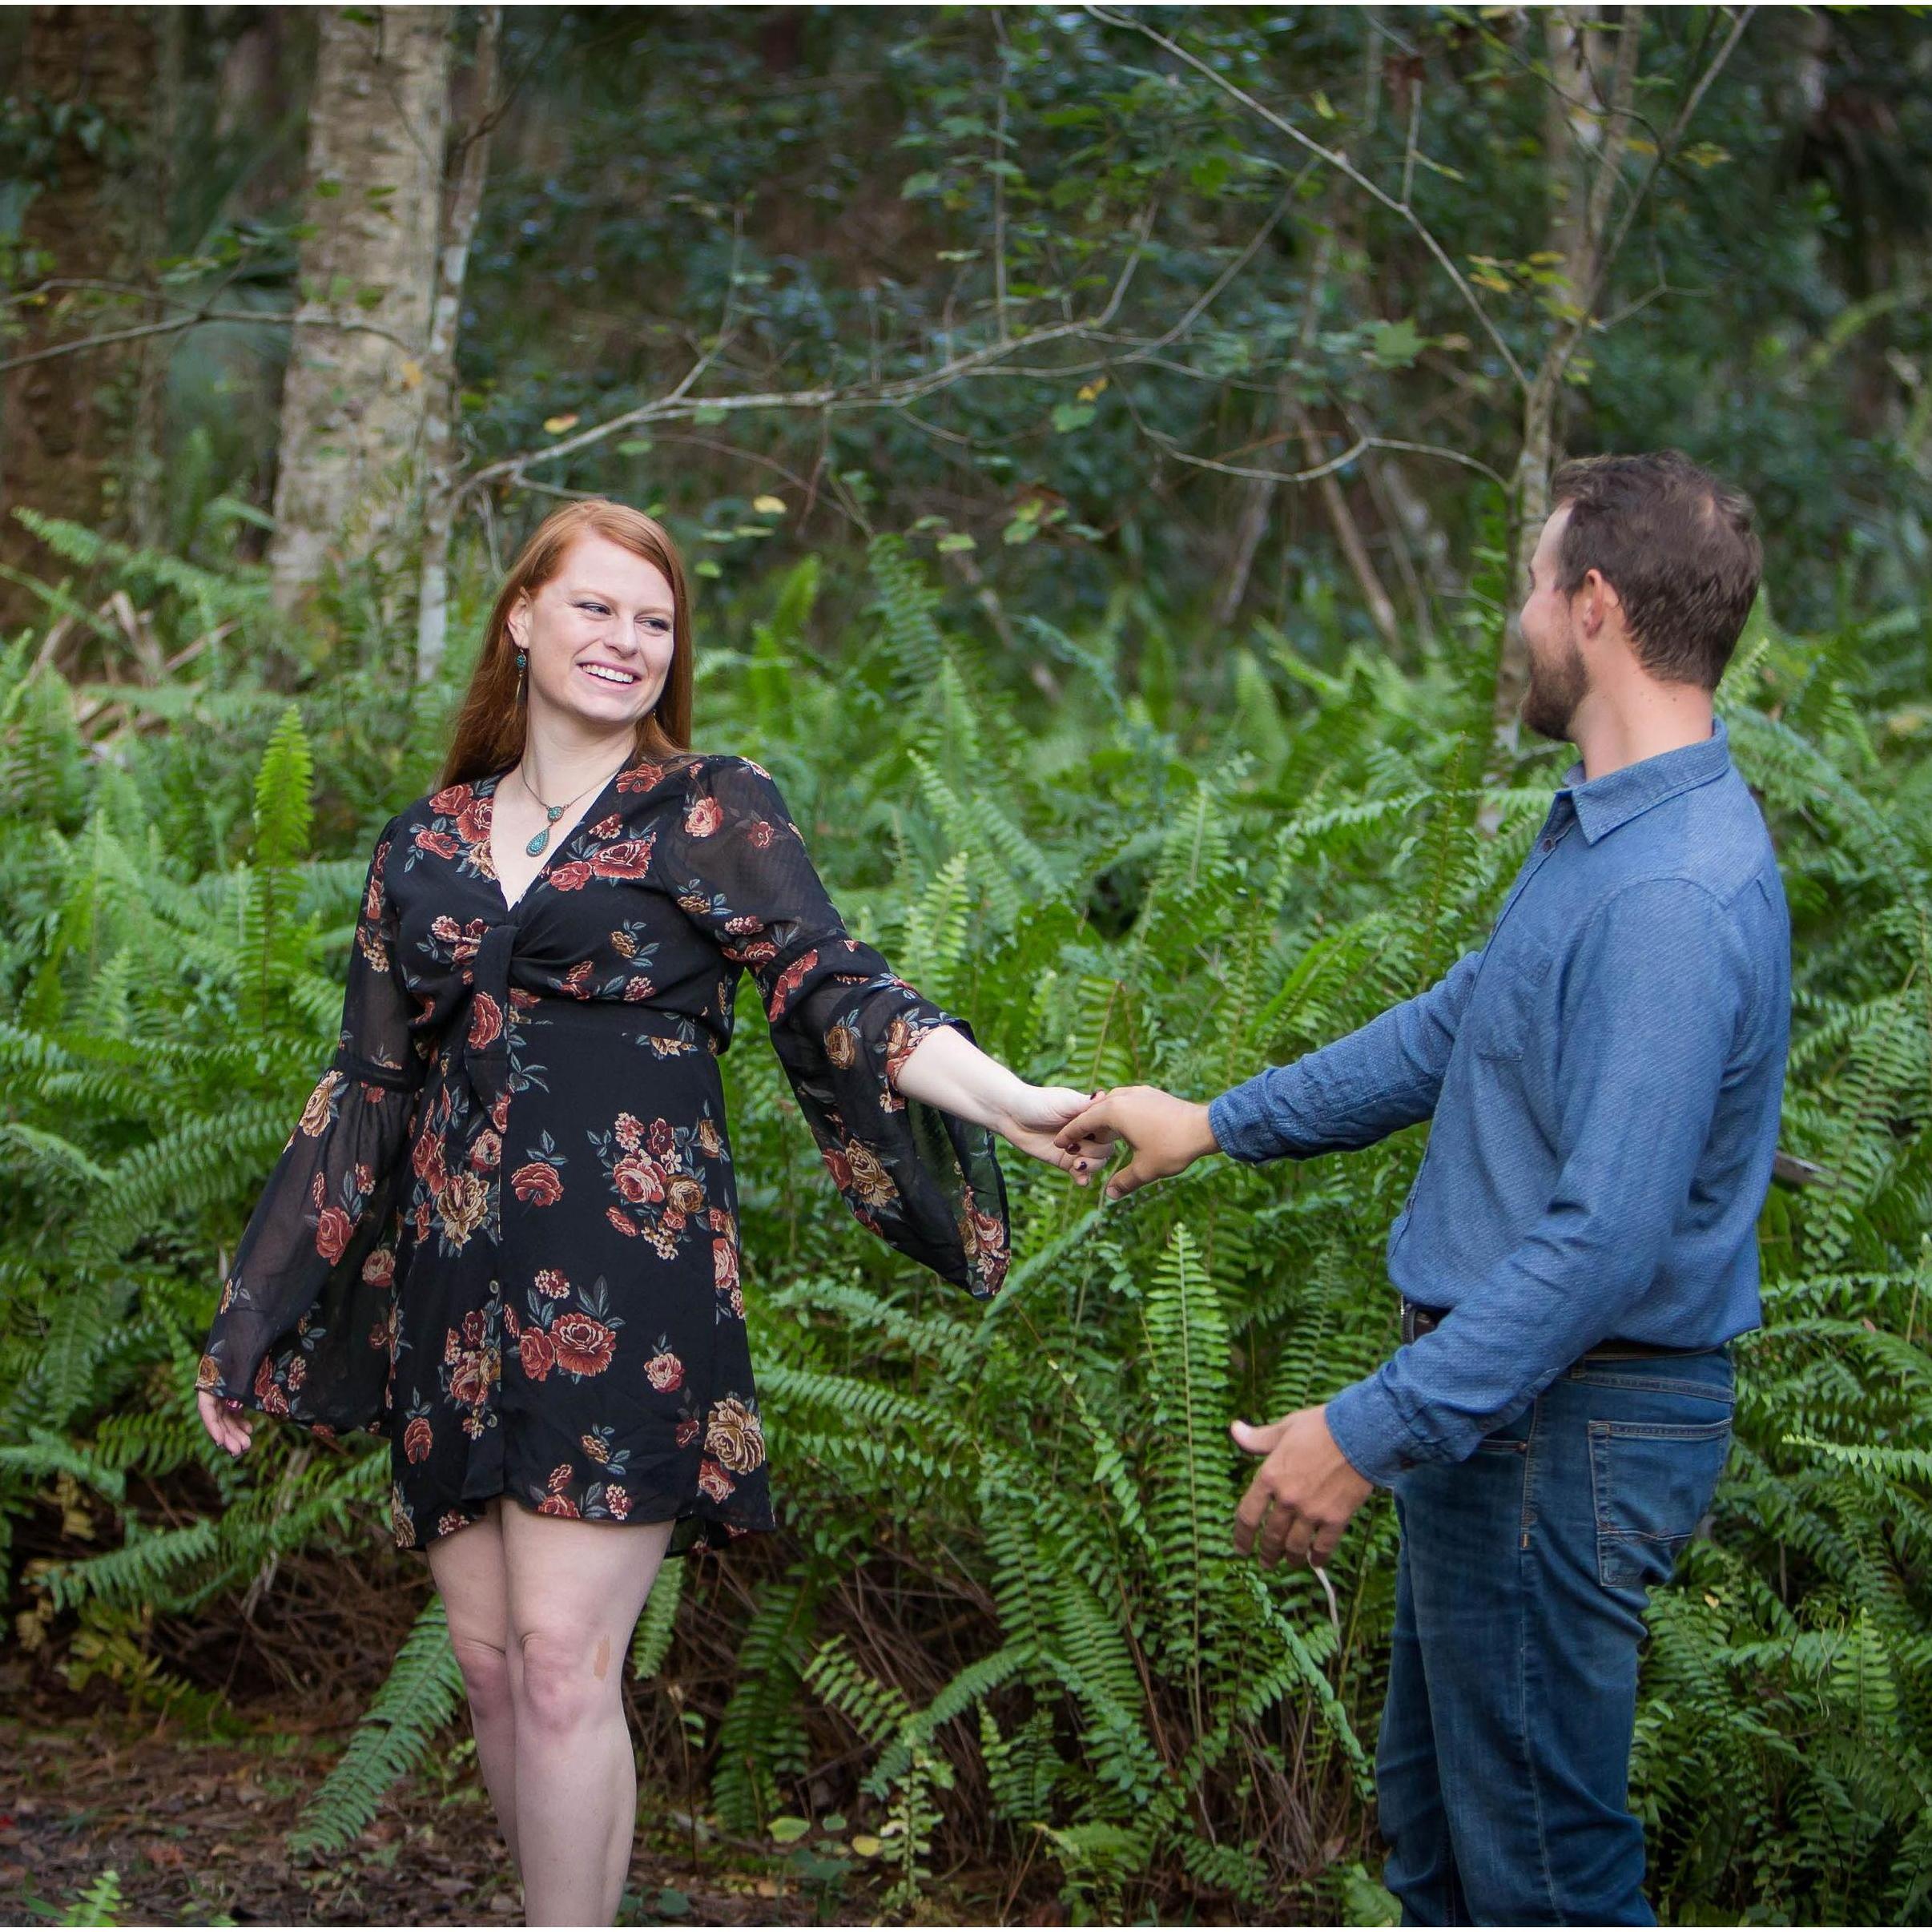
(301, 1329)
(843, 1024)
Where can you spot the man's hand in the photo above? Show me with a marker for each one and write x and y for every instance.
(1313, 1487)
(1166, 1133)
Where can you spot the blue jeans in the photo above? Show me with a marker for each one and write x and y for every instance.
(1502, 1765)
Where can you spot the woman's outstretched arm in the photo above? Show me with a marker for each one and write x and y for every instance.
(946, 1070)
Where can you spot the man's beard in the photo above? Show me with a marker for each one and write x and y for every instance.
(1557, 684)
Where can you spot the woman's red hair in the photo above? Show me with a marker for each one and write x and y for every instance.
(490, 728)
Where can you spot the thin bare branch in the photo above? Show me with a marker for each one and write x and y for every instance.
(81, 343)
(1319, 470)
(681, 403)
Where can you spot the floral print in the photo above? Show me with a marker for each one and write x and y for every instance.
(503, 1232)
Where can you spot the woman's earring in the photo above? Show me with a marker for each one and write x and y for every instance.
(521, 660)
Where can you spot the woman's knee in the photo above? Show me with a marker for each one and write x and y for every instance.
(486, 1676)
(567, 1680)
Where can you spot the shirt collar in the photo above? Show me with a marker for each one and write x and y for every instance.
(1603, 804)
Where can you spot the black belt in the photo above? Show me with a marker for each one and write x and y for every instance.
(1417, 1320)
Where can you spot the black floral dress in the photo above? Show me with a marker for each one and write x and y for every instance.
(503, 1233)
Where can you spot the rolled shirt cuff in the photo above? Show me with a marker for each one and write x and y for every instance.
(1369, 1431)
(1248, 1124)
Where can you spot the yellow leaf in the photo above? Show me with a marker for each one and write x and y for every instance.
(867, 1846)
(769, 506)
(411, 373)
(555, 425)
(1088, 391)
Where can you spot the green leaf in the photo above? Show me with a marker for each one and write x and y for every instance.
(1395, 345)
(1069, 416)
(789, 1830)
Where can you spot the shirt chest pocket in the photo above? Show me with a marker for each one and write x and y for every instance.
(1503, 1013)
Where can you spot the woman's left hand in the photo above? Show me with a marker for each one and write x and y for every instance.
(1038, 1113)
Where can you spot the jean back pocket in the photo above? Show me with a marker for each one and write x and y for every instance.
(1651, 1483)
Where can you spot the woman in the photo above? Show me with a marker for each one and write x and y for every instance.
(503, 1233)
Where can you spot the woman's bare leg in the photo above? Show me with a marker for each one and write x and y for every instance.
(575, 1592)
(473, 1580)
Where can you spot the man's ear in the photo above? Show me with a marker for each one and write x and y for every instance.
(1601, 603)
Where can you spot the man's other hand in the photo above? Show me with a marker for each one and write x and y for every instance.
(1305, 1488)
(1165, 1132)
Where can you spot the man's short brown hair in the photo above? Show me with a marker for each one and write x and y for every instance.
(1676, 545)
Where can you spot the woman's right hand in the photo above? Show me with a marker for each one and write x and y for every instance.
(231, 1427)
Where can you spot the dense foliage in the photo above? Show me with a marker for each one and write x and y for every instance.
(1130, 887)
(810, 198)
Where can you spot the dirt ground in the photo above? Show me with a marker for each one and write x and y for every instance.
(195, 1829)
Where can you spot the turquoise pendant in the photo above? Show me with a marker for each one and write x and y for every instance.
(543, 838)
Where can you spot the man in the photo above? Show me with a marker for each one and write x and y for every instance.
(1605, 1076)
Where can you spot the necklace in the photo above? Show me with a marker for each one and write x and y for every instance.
(554, 812)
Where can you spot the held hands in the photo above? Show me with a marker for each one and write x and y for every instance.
(1035, 1119)
(1166, 1133)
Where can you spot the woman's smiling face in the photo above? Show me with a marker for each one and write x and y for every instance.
(599, 636)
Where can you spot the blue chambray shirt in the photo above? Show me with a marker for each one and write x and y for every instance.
(1605, 1074)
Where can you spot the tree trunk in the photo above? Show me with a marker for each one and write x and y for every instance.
(439, 428)
(348, 493)
(62, 417)
(147, 467)
(1257, 500)
(1586, 131)
(1348, 533)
